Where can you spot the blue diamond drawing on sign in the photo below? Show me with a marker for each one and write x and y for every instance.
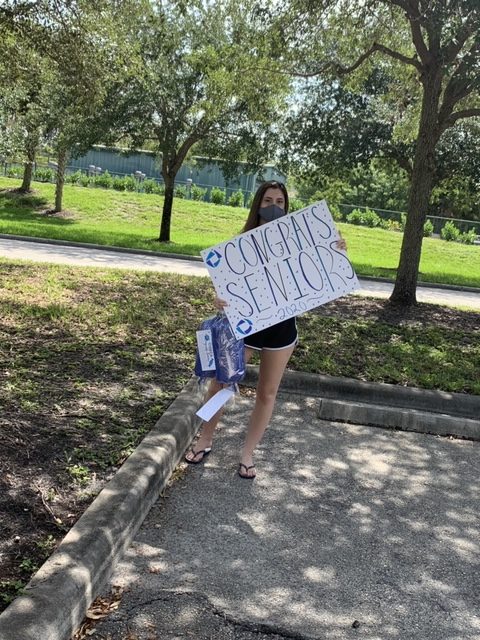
(213, 259)
(244, 326)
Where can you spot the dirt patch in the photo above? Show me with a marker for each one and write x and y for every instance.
(62, 215)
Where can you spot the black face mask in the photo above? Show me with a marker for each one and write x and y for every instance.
(272, 212)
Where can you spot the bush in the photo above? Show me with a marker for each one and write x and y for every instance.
(367, 218)
(15, 172)
(118, 183)
(217, 196)
(468, 237)
(159, 189)
(385, 224)
(197, 193)
(84, 180)
(44, 175)
(450, 232)
(336, 213)
(180, 191)
(236, 199)
(355, 217)
(370, 218)
(104, 181)
(295, 204)
(250, 200)
(403, 221)
(149, 185)
(73, 178)
(394, 225)
(130, 183)
(427, 228)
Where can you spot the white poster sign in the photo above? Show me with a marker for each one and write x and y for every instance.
(280, 269)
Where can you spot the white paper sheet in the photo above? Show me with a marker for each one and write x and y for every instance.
(215, 403)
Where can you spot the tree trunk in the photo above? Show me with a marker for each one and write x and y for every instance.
(31, 149)
(62, 163)
(404, 292)
(167, 208)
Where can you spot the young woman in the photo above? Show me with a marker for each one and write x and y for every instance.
(275, 344)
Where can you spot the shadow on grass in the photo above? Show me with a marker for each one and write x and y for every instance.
(24, 200)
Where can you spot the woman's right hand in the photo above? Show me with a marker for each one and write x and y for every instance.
(219, 303)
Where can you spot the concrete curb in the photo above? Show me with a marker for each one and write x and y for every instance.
(180, 256)
(385, 405)
(57, 597)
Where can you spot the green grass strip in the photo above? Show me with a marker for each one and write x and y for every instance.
(132, 220)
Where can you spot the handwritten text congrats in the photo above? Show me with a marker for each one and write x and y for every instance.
(280, 269)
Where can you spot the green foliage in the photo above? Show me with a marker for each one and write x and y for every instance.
(450, 232)
(104, 180)
(427, 228)
(366, 218)
(74, 177)
(181, 191)
(130, 183)
(197, 193)
(14, 172)
(403, 221)
(10, 589)
(149, 185)
(28, 565)
(355, 217)
(44, 175)
(217, 196)
(393, 225)
(468, 237)
(118, 183)
(84, 180)
(80, 474)
(159, 189)
(236, 199)
(295, 204)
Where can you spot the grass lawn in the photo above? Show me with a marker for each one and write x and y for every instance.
(91, 358)
(132, 220)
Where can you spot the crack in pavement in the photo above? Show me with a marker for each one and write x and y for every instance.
(178, 614)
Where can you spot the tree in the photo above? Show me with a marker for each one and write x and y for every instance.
(332, 133)
(200, 80)
(79, 53)
(433, 45)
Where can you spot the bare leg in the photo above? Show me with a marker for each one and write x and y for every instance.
(272, 367)
(208, 428)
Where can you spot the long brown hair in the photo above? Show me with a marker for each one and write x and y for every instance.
(252, 220)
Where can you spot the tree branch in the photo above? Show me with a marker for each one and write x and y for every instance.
(458, 86)
(342, 70)
(454, 48)
(458, 115)
(418, 41)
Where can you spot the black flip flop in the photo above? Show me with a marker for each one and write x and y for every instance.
(196, 453)
(242, 475)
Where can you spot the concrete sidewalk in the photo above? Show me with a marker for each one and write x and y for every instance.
(347, 532)
(96, 256)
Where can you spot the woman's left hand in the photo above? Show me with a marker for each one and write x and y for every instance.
(341, 244)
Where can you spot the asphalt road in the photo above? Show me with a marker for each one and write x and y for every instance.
(87, 257)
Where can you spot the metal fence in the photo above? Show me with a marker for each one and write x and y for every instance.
(437, 221)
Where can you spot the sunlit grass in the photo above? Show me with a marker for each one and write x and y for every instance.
(126, 219)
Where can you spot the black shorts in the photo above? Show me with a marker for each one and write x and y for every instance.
(280, 336)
